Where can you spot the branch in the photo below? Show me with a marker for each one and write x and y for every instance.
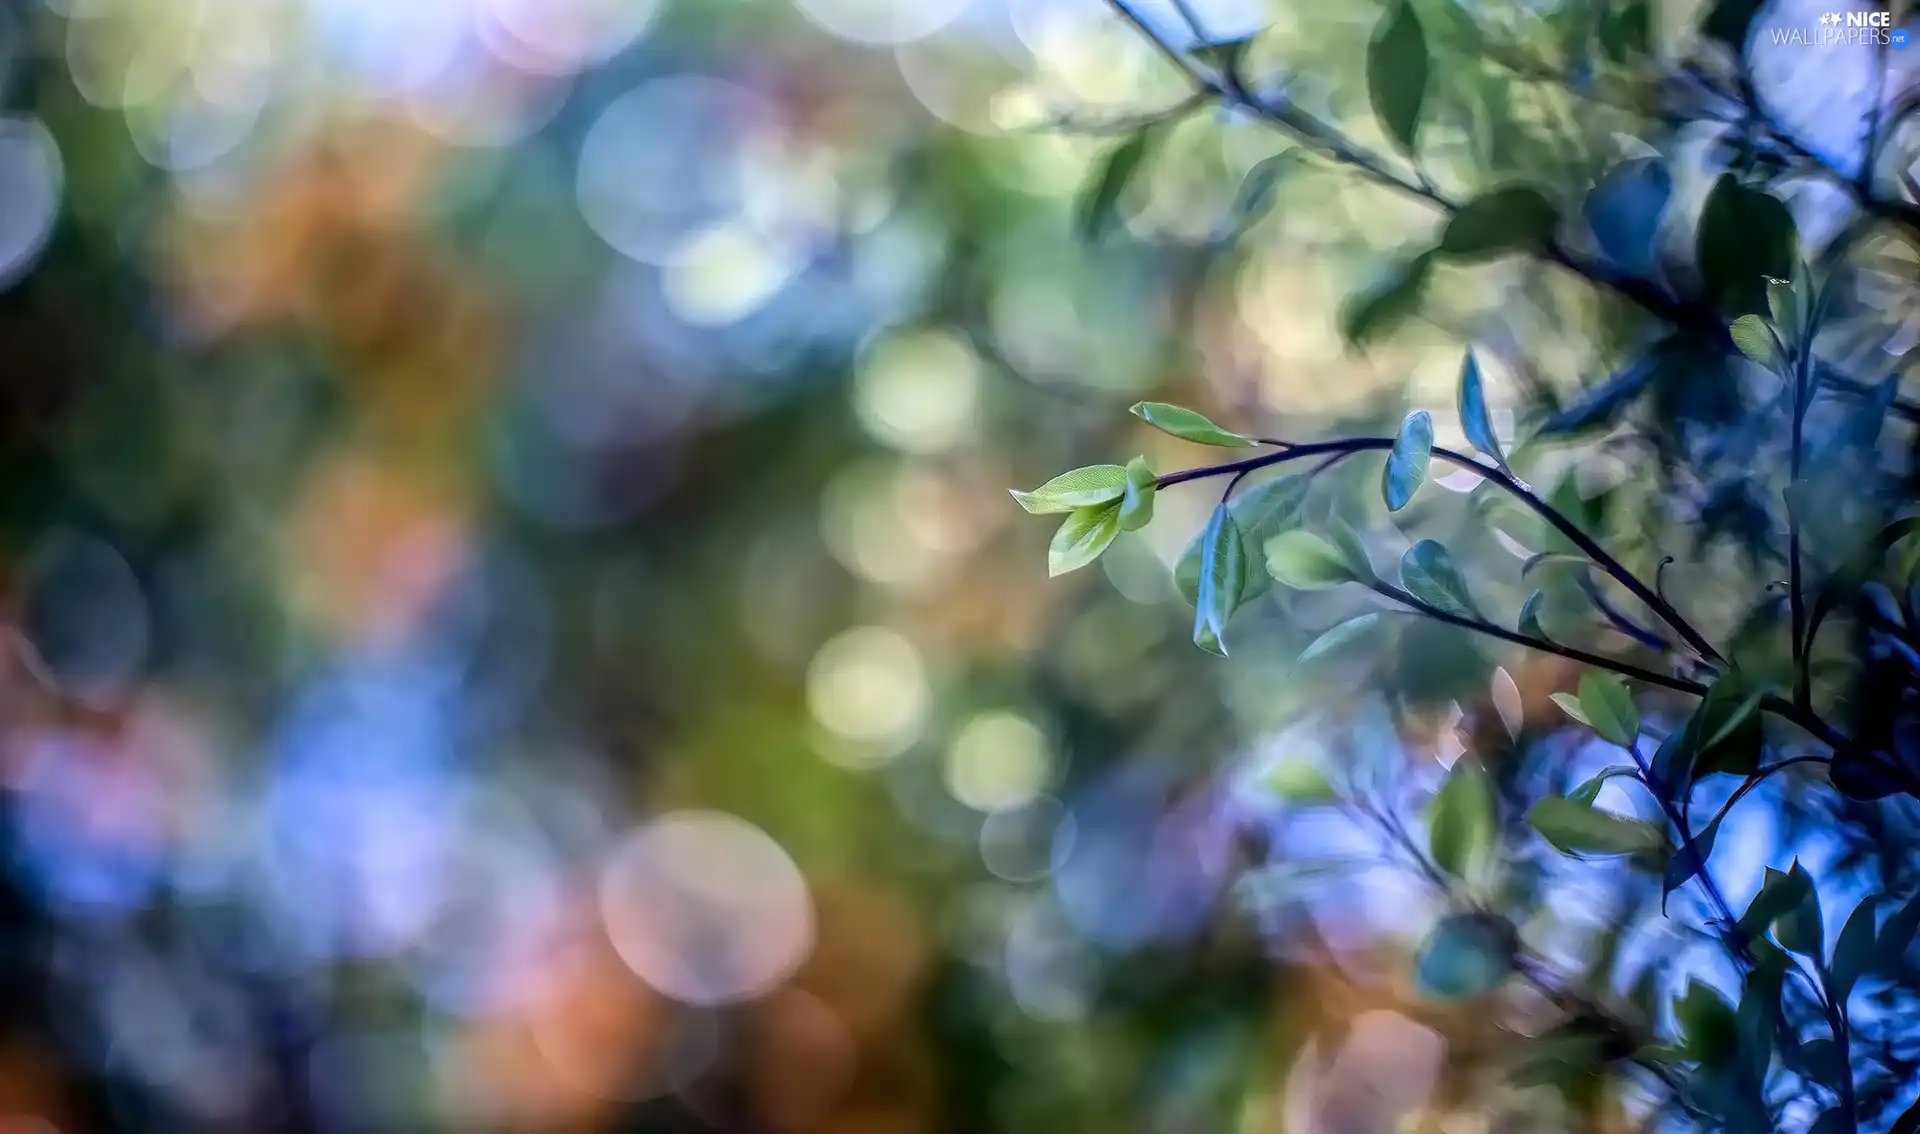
(1320, 135)
(1599, 555)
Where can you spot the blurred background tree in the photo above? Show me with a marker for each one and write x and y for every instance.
(513, 620)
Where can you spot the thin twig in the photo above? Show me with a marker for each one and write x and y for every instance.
(1587, 545)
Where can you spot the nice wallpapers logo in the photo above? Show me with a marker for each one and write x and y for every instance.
(1862, 29)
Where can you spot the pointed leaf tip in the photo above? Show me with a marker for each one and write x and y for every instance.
(1188, 425)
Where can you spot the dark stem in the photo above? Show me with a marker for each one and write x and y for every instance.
(1588, 547)
(1729, 924)
(1571, 653)
(1760, 777)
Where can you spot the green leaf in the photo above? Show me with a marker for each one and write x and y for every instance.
(1708, 1023)
(1529, 620)
(1589, 789)
(1800, 929)
(1684, 866)
(1570, 705)
(1188, 425)
(1727, 709)
(1474, 420)
(1099, 204)
(1609, 706)
(1381, 305)
(1428, 574)
(1339, 637)
(1257, 191)
(1348, 543)
(1756, 340)
(1262, 512)
(1087, 532)
(1397, 74)
(1513, 218)
(1460, 822)
(1745, 237)
(1408, 460)
(1466, 955)
(1300, 782)
(1136, 503)
(1222, 571)
(1778, 893)
(1575, 827)
(1094, 484)
(1626, 30)
(1306, 562)
(1790, 303)
(1853, 953)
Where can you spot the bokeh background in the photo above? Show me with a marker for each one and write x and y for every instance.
(512, 614)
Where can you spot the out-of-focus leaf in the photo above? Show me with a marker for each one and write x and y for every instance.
(1746, 237)
(1428, 573)
(1848, 579)
(1608, 704)
(1853, 953)
(1708, 1024)
(1094, 484)
(1086, 533)
(1907, 1123)
(1460, 822)
(1304, 561)
(1755, 1019)
(1600, 406)
(1348, 543)
(1389, 299)
(1407, 462)
(1779, 892)
(1466, 955)
(1895, 937)
(1474, 419)
(1821, 1058)
(1626, 30)
(1624, 212)
(1397, 65)
(1300, 782)
(1136, 503)
(1259, 188)
(1575, 827)
(1099, 205)
(1729, 21)
(1529, 621)
(1513, 218)
(1222, 569)
(1188, 425)
(1755, 340)
(1339, 637)
(1800, 929)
